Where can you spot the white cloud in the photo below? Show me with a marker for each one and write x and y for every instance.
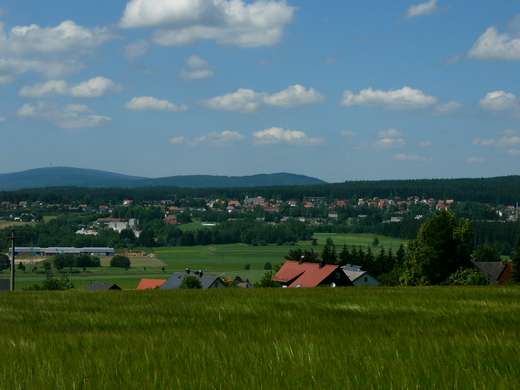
(295, 95)
(143, 103)
(277, 135)
(391, 138)
(421, 9)
(425, 144)
(178, 140)
(404, 98)
(248, 100)
(499, 101)
(229, 22)
(493, 45)
(449, 107)
(196, 68)
(68, 117)
(49, 68)
(409, 157)
(136, 49)
(514, 152)
(509, 139)
(222, 138)
(33, 48)
(95, 87)
(244, 100)
(2, 119)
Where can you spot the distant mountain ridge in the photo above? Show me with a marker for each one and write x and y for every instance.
(91, 178)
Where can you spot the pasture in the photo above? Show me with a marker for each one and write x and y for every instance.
(401, 338)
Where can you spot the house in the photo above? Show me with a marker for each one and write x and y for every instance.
(97, 286)
(150, 284)
(496, 272)
(295, 274)
(206, 281)
(358, 277)
(38, 251)
(119, 224)
(5, 285)
(171, 220)
(241, 283)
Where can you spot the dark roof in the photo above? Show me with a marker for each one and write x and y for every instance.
(102, 287)
(176, 279)
(491, 269)
(5, 285)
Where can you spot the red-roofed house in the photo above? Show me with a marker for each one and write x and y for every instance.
(150, 284)
(294, 274)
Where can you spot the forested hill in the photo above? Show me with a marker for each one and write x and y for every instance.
(499, 190)
(89, 178)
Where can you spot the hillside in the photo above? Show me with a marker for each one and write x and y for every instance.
(89, 178)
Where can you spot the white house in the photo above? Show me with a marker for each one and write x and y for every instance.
(359, 277)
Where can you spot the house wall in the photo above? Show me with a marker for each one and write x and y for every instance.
(338, 277)
(366, 280)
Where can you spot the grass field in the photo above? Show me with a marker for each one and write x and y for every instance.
(425, 338)
(226, 260)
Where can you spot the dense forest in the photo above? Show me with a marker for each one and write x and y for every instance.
(500, 190)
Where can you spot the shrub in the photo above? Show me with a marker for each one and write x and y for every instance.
(119, 261)
(267, 281)
(247, 267)
(467, 277)
(191, 282)
(268, 266)
(4, 262)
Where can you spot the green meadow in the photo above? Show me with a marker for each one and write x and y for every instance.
(400, 338)
(248, 261)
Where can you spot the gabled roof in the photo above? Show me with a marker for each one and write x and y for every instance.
(304, 274)
(150, 284)
(491, 269)
(176, 279)
(102, 287)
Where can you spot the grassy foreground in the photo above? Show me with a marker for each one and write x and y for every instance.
(235, 339)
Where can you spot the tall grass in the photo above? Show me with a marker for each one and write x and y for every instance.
(239, 339)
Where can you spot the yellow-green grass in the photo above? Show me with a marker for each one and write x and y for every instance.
(353, 338)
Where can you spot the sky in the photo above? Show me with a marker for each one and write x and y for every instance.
(354, 89)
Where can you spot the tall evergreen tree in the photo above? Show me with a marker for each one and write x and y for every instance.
(328, 255)
(516, 264)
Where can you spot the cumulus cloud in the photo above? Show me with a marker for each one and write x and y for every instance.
(248, 100)
(222, 138)
(94, 87)
(196, 68)
(499, 101)
(69, 117)
(6, 79)
(2, 119)
(422, 9)
(509, 140)
(425, 144)
(409, 157)
(347, 134)
(493, 45)
(295, 95)
(229, 22)
(449, 107)
(404, 98)
(277, 135)
(136, 49)
(33, 48)
(149, 103)
(390, 138)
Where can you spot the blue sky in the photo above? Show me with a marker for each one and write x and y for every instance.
(351, 90)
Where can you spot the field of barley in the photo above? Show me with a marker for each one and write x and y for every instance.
(262, 338)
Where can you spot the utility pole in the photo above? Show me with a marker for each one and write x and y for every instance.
(13, 255)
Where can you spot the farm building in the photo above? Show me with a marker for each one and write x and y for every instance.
(150, 284)
(5, 285)
(496, 272)
(97, 286)
(37, 251)
(358, 277)
(294, 274)
(241, 283)
(206, 281)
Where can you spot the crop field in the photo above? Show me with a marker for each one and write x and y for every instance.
(400, 338)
